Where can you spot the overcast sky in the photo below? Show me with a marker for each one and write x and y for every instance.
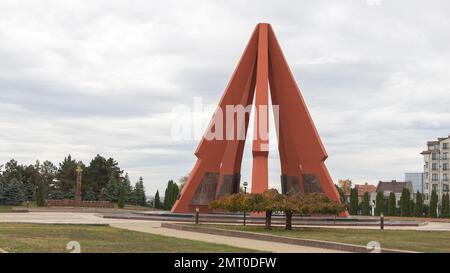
(103, 77)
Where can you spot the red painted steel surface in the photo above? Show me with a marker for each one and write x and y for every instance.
(302, 153)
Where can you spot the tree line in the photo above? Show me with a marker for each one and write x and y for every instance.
(102, 180)
(406, 207)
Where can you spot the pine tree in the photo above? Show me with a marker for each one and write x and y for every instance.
(418, 209)
(139, 193)
(112, 189)
(122, 193)
(433, 204)
(157, 203)
(366, 204)
(405, 203)
(66, 178)
(128, 189)
(354, 201)
(379, 204)
(392, 204)
(13, 192)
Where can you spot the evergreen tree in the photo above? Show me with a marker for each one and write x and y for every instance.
(426, 210)
(13, 193)
(139, 193)
(128, 189)
(97, 176)
(167, 196)
(412, 206)
(418, 209)
(366, 204)
(157, 202)
(170, 195)
(379, 208)
(66, 177)
(47, 174)
(30, 178)
(122, 193)
(69, 194)
(445, 205)
(354, 201)
(433, 204)
(2, 192)
(89, 195)
(405, 203)
(112, 189)
(392, 204)
(40, 194)
(13, 171)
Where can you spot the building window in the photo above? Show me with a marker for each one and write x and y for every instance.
(445, 146)
(426, 186)
(445, 176)
(445, 166)
(445, 187)
(426, 176)
(435, 177)
(445, 156)
(435, 188)
(434, 156)
(434, 167)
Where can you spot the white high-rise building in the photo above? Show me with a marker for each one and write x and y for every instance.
(436, 168)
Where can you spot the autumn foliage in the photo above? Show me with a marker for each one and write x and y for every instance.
(272, 201)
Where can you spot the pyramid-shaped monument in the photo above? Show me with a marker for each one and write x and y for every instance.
(217, 170)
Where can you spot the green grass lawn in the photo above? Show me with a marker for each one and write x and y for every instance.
(96, 238)
(421, 241)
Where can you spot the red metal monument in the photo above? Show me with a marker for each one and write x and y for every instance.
(302, 155)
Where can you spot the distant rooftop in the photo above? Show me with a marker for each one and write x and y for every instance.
(362, 189)
(393, 186)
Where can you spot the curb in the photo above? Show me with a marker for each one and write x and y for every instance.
(280, 239)
(256, 221)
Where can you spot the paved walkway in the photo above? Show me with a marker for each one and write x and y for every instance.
(153, 227)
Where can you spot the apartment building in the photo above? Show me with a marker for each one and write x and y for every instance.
(436, 168)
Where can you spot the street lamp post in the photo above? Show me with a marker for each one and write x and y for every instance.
(373, 207)
(245, 192)
(197, 212)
